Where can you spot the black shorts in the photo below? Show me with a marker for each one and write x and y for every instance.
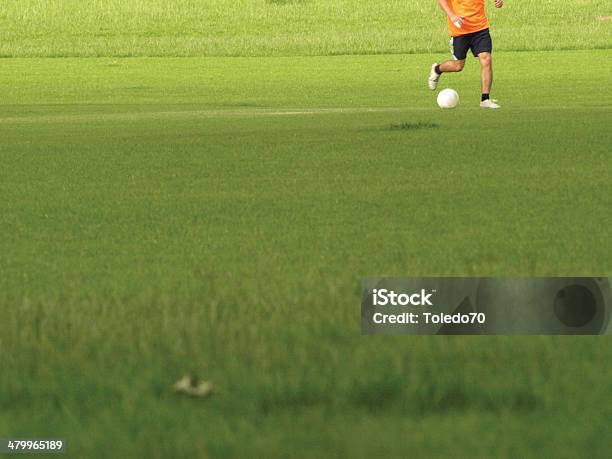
(478, 42)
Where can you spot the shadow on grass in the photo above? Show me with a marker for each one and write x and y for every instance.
(391, 394)
(285, 2)
(294, 399)
(383, 395)
(409, 126)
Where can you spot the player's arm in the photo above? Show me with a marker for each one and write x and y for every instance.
(457, 20)
(499, 3)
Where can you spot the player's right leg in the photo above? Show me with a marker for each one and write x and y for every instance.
(459, 48)
(445, 67)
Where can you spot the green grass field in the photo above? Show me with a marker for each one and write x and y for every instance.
(214, 216)
(45, 28)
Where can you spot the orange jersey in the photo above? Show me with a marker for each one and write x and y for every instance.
(473, 14)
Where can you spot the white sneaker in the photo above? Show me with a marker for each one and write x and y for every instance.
(433, 78)
(489, 103)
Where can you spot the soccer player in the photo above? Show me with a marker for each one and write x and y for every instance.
(469, 30)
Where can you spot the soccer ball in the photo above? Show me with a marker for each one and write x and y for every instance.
(448, 98)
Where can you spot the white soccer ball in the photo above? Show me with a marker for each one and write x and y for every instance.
(448, 98)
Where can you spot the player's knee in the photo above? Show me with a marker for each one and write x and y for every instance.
(459, 65)
(485, 60)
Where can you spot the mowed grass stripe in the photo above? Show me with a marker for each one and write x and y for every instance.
(245, 113)
(38, 28)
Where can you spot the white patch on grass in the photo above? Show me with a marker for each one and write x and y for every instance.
(194, 114)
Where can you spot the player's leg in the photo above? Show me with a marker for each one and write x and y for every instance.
(451, 66)
(459, 49)
(486, 64)
(482, 47)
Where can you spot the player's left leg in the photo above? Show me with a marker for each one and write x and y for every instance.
(486, 63)
(482, 47)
